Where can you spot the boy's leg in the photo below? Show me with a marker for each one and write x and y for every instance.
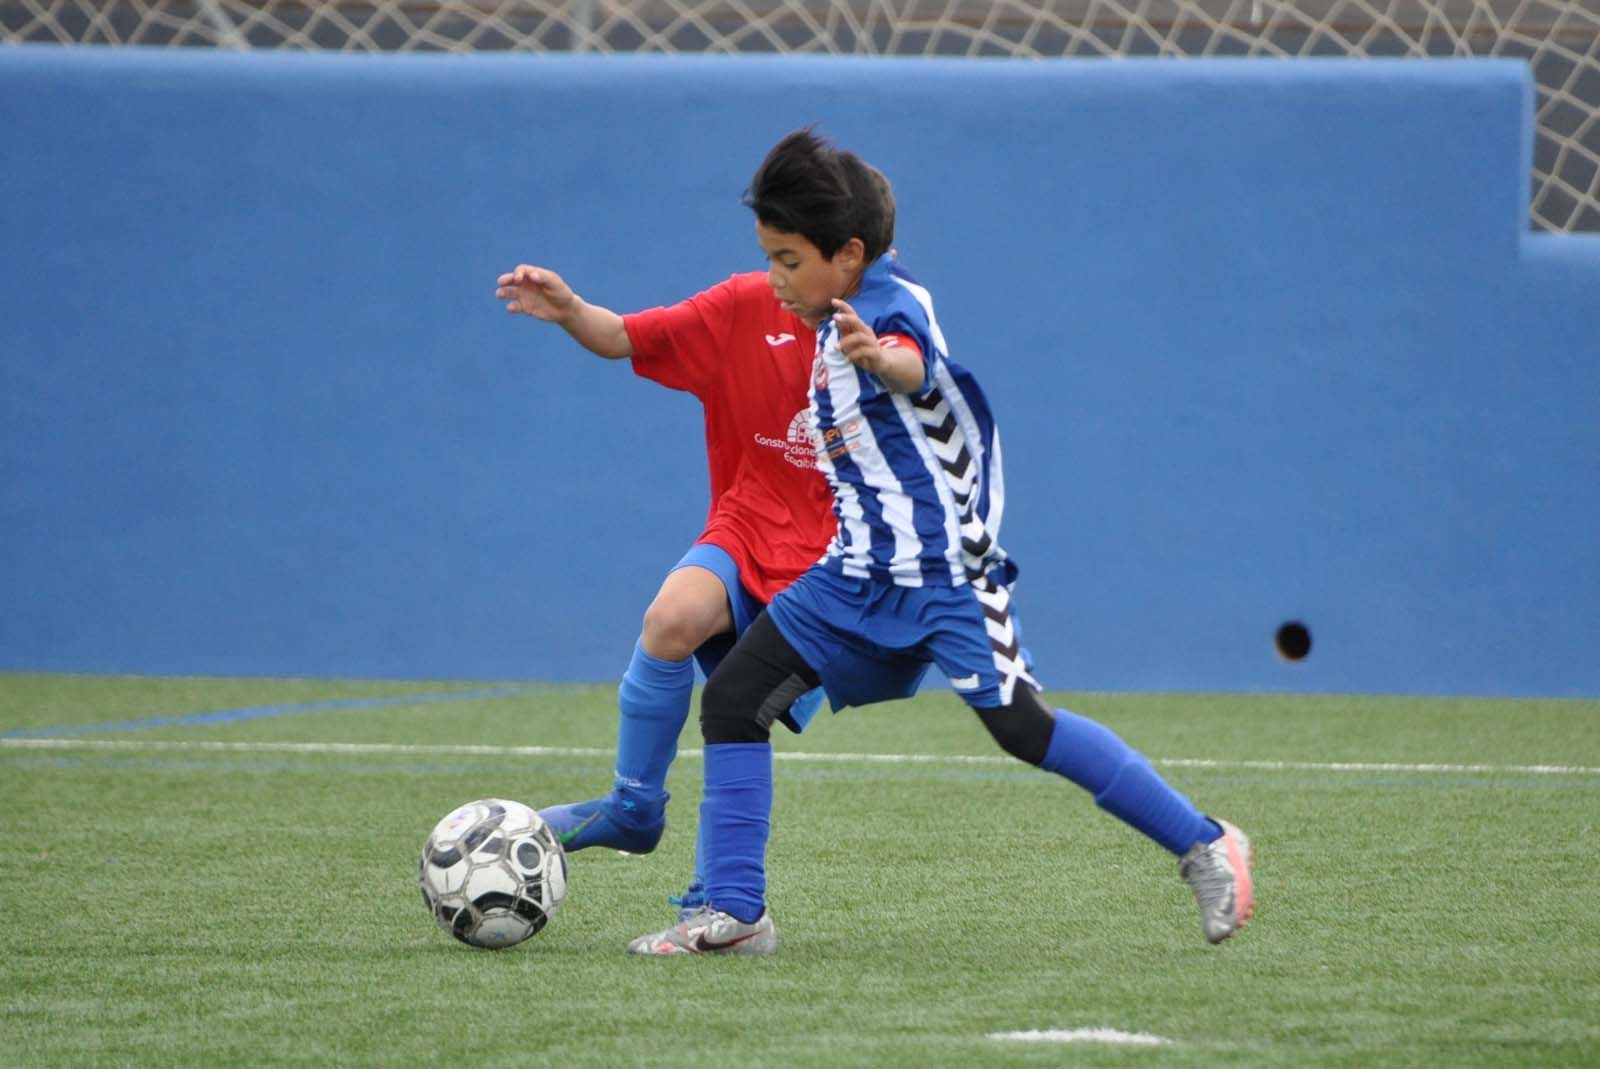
(973, 636)
(653, 702)
(1098, 760)
(756, 683)
(978, 645)
(1214, 857)
(745, 608)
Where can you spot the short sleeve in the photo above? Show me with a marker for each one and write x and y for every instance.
(915, 335)
(680, 346)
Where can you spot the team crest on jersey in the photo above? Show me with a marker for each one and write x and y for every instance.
(798, 447)
(819, 377)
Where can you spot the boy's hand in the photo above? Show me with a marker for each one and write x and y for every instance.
(900, 369)
(857, 340)
(538, 292)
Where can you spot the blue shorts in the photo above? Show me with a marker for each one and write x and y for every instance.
(871, 641)
(745, 607)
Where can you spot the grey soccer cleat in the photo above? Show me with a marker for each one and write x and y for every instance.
(710, 931)
(1219, 874)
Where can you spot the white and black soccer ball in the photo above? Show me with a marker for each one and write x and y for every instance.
(493, 873)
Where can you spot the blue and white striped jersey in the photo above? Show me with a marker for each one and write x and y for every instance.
(916, 478)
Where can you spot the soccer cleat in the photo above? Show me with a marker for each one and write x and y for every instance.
(709, 931)
(690, 902)
(1219, 874)
(617, 820)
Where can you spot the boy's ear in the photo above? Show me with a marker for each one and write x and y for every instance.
(854, 252)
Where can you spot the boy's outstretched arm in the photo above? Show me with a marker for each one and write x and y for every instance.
(543, 294)
(902, 370)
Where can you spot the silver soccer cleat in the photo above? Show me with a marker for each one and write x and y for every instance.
(710, 931)
(1219, 874)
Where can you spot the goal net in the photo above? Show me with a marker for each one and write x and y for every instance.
(1560, 39)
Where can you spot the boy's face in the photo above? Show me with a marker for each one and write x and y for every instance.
(804, 281)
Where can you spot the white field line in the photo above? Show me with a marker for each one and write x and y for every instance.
(1084, 1035)
(465, 750)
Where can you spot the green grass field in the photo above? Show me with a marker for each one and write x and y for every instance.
(240, 891)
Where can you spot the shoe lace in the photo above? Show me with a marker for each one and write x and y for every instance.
(694, 897)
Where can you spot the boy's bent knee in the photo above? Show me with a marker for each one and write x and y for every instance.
(672, 636)
(690, 608)
(730, 710)
(1022, 728)
(757, 681)
(741, 706)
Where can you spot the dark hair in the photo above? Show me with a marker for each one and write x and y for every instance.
(806, 186)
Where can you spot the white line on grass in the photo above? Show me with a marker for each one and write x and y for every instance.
(1084, 1035)
(1378, 766)
(467, 750)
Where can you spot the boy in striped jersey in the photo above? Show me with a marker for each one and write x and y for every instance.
(915, 574)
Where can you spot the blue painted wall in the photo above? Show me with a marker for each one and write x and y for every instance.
(1268, 341)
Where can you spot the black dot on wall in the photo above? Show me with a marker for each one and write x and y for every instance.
(1293, 641)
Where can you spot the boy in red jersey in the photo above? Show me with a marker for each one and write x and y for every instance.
(748, 360)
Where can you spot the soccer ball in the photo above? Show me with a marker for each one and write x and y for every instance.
(493, 873)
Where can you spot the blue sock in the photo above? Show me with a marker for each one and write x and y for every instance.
(699, 853)
(1123, 783)
(654, 700)
(735, 819)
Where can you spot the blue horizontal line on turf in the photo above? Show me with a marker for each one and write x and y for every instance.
(256, 712)
(234, 767)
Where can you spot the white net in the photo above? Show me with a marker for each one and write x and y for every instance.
(1560, 39)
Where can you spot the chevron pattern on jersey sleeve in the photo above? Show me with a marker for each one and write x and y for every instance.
(978, 550)
(949, 446)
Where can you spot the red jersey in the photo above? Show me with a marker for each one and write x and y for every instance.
(749, 362)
